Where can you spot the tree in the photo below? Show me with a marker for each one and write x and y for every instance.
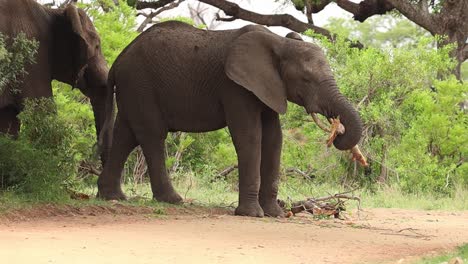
(447, 18)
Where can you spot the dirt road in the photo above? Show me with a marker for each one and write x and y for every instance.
(377, 236)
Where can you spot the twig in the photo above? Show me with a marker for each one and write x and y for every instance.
(319, 206)
(150, 16)
(224, 173)
(298, 171)
(89, 169)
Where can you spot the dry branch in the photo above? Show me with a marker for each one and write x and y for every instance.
(154, 4)
(224, 173)
(149, 17)
(302, 173)
(89, 168)
(234, 11)
(322, 206)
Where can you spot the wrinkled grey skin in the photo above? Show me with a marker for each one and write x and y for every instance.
(174, 77)
(69, 51)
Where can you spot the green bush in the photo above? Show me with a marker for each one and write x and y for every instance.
(14, 57)
(41, 162)
(30, 172)
(413, 128)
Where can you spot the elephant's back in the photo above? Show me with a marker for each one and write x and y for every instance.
(24, 16)
(177, 51)
(174, 40)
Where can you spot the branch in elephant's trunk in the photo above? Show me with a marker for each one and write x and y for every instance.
(338, 129)
(357, 155)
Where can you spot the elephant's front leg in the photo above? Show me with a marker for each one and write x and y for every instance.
(269, 170)
(246, 134)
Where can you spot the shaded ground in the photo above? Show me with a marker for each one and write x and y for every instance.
(127, 235)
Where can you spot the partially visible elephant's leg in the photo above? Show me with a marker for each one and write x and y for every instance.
(161, 185)
(246, 133)
(9, 122)
(269, 169)
(109, 186)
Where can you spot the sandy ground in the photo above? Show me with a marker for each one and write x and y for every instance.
(376, 236)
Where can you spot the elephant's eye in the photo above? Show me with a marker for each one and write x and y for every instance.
(306, 80)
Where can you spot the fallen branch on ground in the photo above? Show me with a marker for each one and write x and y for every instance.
(224, 173)
(322, 206)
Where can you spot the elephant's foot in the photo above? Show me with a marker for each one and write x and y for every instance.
(111, 194)
(168, 197)
(109, 190)
(249, 209)
(273, 209)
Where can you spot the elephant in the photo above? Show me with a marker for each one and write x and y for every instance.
(174, 77)
(69, 51)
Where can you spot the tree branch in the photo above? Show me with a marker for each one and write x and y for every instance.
(236, 12)
(154, 5)
(149, 17)
(418, 13)
(282, 20)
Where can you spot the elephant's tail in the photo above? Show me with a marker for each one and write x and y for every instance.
(105, 136)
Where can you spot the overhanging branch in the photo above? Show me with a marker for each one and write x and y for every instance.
(282, 20)
(154, 5)
(234, 11)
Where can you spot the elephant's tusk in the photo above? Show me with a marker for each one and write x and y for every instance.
(357, 155)
(319, 123)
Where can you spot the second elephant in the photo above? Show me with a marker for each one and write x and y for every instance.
(174, 77)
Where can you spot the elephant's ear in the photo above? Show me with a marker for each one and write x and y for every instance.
(253, 63)
(81, 50)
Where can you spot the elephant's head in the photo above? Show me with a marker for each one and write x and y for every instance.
(278, 69)
(77, 57)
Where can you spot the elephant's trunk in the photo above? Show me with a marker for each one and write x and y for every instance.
(99, 109)
(338, 106)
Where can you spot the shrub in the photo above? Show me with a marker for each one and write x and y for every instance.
(42, 161)
(14, 57)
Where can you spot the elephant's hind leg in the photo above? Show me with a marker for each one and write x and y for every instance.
(154, 151)
(124, 142)
(269, 169)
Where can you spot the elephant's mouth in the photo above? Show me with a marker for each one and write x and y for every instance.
(337, 130)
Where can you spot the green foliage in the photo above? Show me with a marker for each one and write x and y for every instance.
(413, 129)
(115, 27)
(432, 149)
(461, 252)
(41, 162)
(379, 31)
(15, 54)
(74, 108)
